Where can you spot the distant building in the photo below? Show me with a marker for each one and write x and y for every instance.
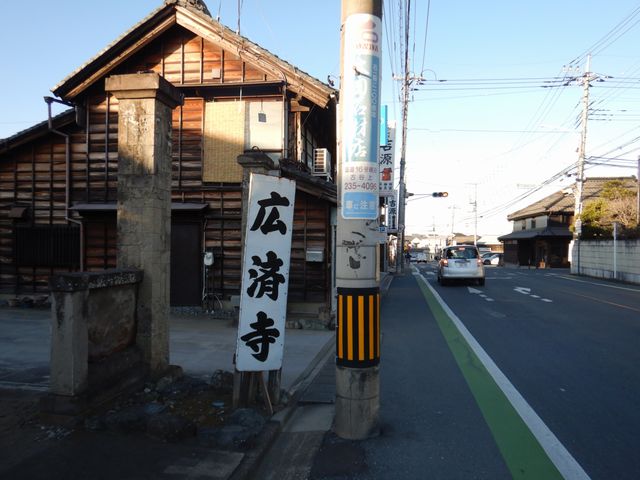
(542, 231)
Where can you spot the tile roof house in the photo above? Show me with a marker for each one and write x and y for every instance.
(542, 231)
(58, 179)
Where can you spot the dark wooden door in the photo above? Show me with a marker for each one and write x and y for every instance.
(186, 269)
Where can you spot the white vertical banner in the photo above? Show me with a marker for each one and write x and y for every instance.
(392, 213)
(360, 98)
(265, 273)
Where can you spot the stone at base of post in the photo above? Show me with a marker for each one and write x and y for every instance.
(357, 402)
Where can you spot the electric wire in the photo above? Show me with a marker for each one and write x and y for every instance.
(613, 89)
(597, 46)
(426, 32)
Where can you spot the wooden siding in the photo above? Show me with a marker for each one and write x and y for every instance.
(34, 178)
(187, 144)
(34, 175)
(100, 238)
(95, 166)
(183, 58)
(309, 281)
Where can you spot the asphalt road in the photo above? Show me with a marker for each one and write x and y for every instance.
(570, 346)
(431, 427)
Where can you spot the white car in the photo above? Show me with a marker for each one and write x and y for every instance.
(421, 257)
(495, 259)
(460, 262)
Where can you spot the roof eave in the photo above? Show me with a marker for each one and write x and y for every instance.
(36, 131)
(171, 14)
(299, 82)
(117, 52)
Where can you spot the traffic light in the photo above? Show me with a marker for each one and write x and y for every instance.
(440, 194)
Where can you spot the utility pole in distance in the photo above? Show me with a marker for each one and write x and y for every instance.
(587, 77)
(638, 195)
(357, 274)
(402, 187)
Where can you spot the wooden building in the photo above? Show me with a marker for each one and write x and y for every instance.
(58, 179)
(542, 231)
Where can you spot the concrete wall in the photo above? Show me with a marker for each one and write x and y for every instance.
(93, 329)
(595, 258)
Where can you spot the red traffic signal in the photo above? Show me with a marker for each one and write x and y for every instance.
(440, 194)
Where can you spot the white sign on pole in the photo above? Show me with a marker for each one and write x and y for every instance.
(392, 213)
(265, 273)
(386, 161)
(360, 98)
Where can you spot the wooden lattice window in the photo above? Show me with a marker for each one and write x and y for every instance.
(47, 246)
(224, 140)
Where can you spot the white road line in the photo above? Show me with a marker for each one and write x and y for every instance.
(527, 291)
(480, 294)
(523, 290)
(568, 467)
(617, 287)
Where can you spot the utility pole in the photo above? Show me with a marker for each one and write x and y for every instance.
(357, 275)
(638, 195)
(453, 219)
(475, 214)
(402, 188)
(586, 78)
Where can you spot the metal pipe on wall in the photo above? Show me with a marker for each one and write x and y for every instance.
(67, 187)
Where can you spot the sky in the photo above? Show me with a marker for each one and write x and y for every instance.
(493, 114)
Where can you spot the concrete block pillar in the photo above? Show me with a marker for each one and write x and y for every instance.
(69, 342)
(144, 201)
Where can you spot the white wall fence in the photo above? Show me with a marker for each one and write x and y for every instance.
(599, 258)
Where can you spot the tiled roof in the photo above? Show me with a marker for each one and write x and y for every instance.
(563, 201)
(133, 35)
(58, 121)
(147, 23)
(545, 232)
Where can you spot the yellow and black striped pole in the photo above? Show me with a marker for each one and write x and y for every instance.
(358, 335)
(356, 263)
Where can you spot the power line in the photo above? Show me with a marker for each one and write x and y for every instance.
(426, 31)
(599, 46)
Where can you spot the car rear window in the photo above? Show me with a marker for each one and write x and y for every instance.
(462, 252)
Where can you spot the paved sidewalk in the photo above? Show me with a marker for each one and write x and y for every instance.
(199, 344)
(305, 423)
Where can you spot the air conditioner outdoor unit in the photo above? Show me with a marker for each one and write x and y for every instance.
(321, 163)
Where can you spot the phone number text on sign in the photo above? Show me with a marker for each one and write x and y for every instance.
(360, 178)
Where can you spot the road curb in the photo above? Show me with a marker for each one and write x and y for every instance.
(274, 426)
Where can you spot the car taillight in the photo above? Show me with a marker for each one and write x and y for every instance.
(445, 262)
(479, 262)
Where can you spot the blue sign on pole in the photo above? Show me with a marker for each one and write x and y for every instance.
(383, 126)
(361, 117)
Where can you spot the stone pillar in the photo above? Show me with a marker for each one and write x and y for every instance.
(144, 201)
(69, 341)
